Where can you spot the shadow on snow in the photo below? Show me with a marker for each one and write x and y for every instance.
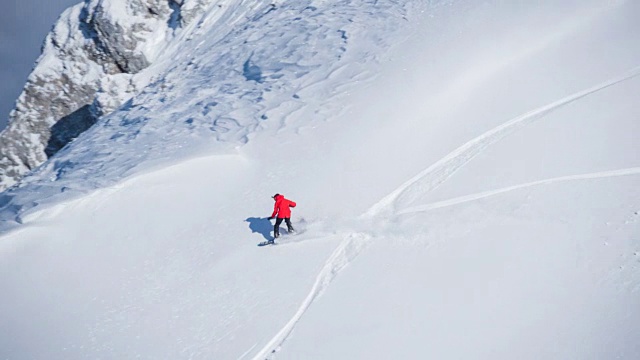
(261, 225)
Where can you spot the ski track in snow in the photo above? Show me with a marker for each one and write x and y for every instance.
(349, 249)
(440, 171)
(238, 111)
(485, 194)
(428, 180)
(248, 351)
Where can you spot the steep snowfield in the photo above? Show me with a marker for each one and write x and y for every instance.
(467, 179)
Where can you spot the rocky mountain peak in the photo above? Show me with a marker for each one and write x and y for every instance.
(86, 70)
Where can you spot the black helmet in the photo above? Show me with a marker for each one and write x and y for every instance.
(274, 196)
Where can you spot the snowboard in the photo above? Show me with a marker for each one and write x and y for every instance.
(282, 235)
(265, 243)
(299, 229)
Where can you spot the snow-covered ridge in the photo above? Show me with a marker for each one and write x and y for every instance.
(218, 82)
(87, 69)
(472, 194)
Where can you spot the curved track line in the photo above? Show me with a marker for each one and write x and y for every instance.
(436, 174)
(248, 351)
(440, 171)
(348, 250)
(485, 194)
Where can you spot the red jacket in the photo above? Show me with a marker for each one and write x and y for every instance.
(282, 207)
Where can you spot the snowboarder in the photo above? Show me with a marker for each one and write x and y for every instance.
(283, 212)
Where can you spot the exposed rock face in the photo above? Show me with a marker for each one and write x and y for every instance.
(86, 70)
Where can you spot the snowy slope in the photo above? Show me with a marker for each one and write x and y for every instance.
(223, 83)
(466, 174)
(88, 68)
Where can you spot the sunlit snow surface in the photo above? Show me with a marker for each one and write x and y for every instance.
(243, 68)
(466, 177)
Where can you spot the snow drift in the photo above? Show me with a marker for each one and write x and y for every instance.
(466, 177)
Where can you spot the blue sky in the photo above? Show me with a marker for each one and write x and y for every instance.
(23, 27)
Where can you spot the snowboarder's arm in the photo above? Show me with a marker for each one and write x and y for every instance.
(275, 209)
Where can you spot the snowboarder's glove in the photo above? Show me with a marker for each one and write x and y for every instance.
(270, 217)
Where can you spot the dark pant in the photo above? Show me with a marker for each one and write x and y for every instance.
(276, 227)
